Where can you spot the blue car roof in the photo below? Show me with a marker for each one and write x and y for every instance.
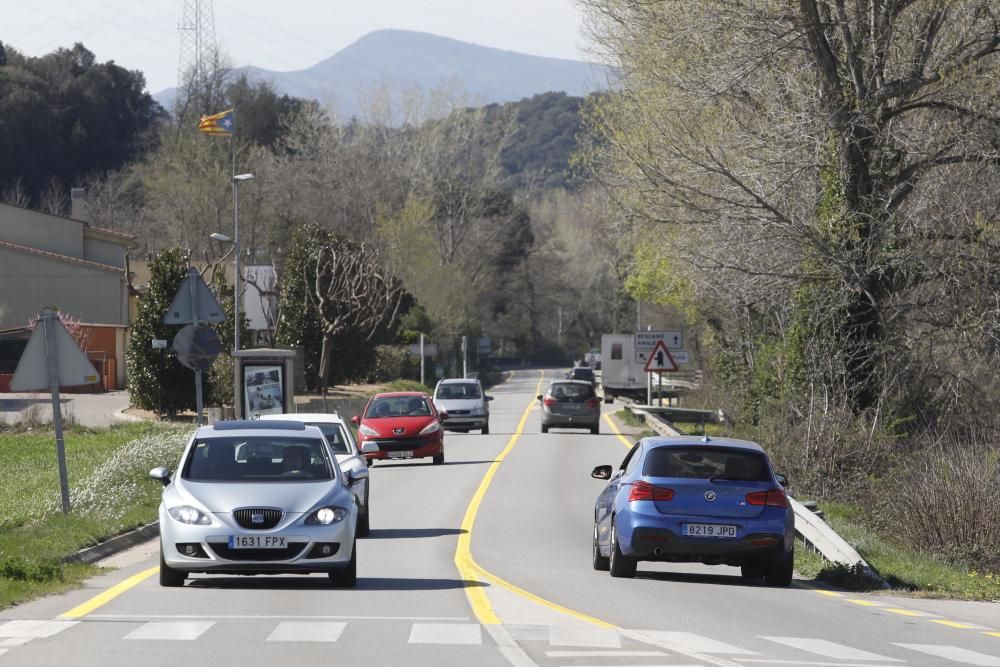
(695, 441)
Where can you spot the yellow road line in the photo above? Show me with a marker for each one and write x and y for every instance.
(905, 612)
(956, 624)
(107, 596)
(470, 570)
(614, 429)
(992, 634)
(866, 603)
(832, 594)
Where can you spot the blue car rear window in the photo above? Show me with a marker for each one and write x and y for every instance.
(706, 463)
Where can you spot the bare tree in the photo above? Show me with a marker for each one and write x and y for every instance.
(350, 290)
(820, 172)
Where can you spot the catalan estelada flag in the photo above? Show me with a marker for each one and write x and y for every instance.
(220, 123)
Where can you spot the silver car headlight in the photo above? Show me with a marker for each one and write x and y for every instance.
(325, 516)
(433, 427)
(189, 515)
(478, 412)
(365, 429)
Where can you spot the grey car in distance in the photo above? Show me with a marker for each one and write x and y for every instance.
(571, 404)
(463, 400)
(257, 497)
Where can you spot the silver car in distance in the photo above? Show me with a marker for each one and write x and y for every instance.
(253, 497)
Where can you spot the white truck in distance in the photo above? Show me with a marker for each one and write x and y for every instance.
(621, 373)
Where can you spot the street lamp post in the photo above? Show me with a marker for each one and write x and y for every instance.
(237, 179)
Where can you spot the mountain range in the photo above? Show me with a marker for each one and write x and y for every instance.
(404, 61)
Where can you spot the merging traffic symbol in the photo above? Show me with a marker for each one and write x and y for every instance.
(660, 360)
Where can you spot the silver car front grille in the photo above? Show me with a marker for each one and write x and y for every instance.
(258, 518)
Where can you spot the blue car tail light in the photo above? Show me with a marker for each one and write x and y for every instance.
(771, 498)
(645, 491)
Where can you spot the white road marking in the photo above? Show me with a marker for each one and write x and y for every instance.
(955, 653)
(805, 662)
(446, 633)
(307, 631)
(509, 648)
(522, 632)
(291, 617)
(2, 651)
(34, 629)
(605, 654)
(689, 642)
(706, 658)
(584, 635)
(176, 630)
(15, 641)
(829, 649)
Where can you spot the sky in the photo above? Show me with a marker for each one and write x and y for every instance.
(280, 35)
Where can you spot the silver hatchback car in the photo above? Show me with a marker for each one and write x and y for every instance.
(345, 449)
(571, 404)
(465, 403)
(258, 497)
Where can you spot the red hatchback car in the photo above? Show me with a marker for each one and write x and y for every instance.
(404, 425)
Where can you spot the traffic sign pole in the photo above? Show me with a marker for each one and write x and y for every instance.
(53, 366)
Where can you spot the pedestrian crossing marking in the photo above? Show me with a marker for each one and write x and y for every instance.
(581, 635)
(34, 629)
(829, 649)
(690, 642)
(446, 633)
(171, 630)
(605, 654)
(955, 653)
(14, 641)
(306, 631)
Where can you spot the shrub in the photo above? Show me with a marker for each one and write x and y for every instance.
(944, 494)
(393, 363)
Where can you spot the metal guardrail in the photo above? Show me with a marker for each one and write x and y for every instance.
(808, 524)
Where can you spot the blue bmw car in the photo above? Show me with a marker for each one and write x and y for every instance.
(714, 501)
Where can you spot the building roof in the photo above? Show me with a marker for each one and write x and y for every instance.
(60, 258)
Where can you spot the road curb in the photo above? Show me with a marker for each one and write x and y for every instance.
(115, 545)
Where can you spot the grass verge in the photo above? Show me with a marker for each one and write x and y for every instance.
(697, 428)
(626, 417)
(110, 494)
(907, 571)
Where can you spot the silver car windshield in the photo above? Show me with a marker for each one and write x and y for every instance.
(258, 459)
(335, 435)
(459, 390)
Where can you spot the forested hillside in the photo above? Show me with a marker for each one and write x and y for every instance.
(65, 117)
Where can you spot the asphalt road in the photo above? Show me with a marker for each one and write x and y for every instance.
(486, 561)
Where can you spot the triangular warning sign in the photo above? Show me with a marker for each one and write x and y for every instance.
(72, 365)
(660, 360)
(191, 299)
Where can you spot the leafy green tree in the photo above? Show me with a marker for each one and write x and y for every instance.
(157, 381)
(65, 117)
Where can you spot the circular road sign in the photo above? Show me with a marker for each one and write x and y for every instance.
(197, 347)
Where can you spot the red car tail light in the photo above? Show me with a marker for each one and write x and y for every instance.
(549, 402)
(770, 498)
(646, 491)
(593, 403)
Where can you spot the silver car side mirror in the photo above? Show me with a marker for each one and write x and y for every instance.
(161, 475)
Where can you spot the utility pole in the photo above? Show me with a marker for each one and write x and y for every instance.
(465, 357)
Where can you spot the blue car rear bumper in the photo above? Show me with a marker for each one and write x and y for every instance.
(650, 535)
